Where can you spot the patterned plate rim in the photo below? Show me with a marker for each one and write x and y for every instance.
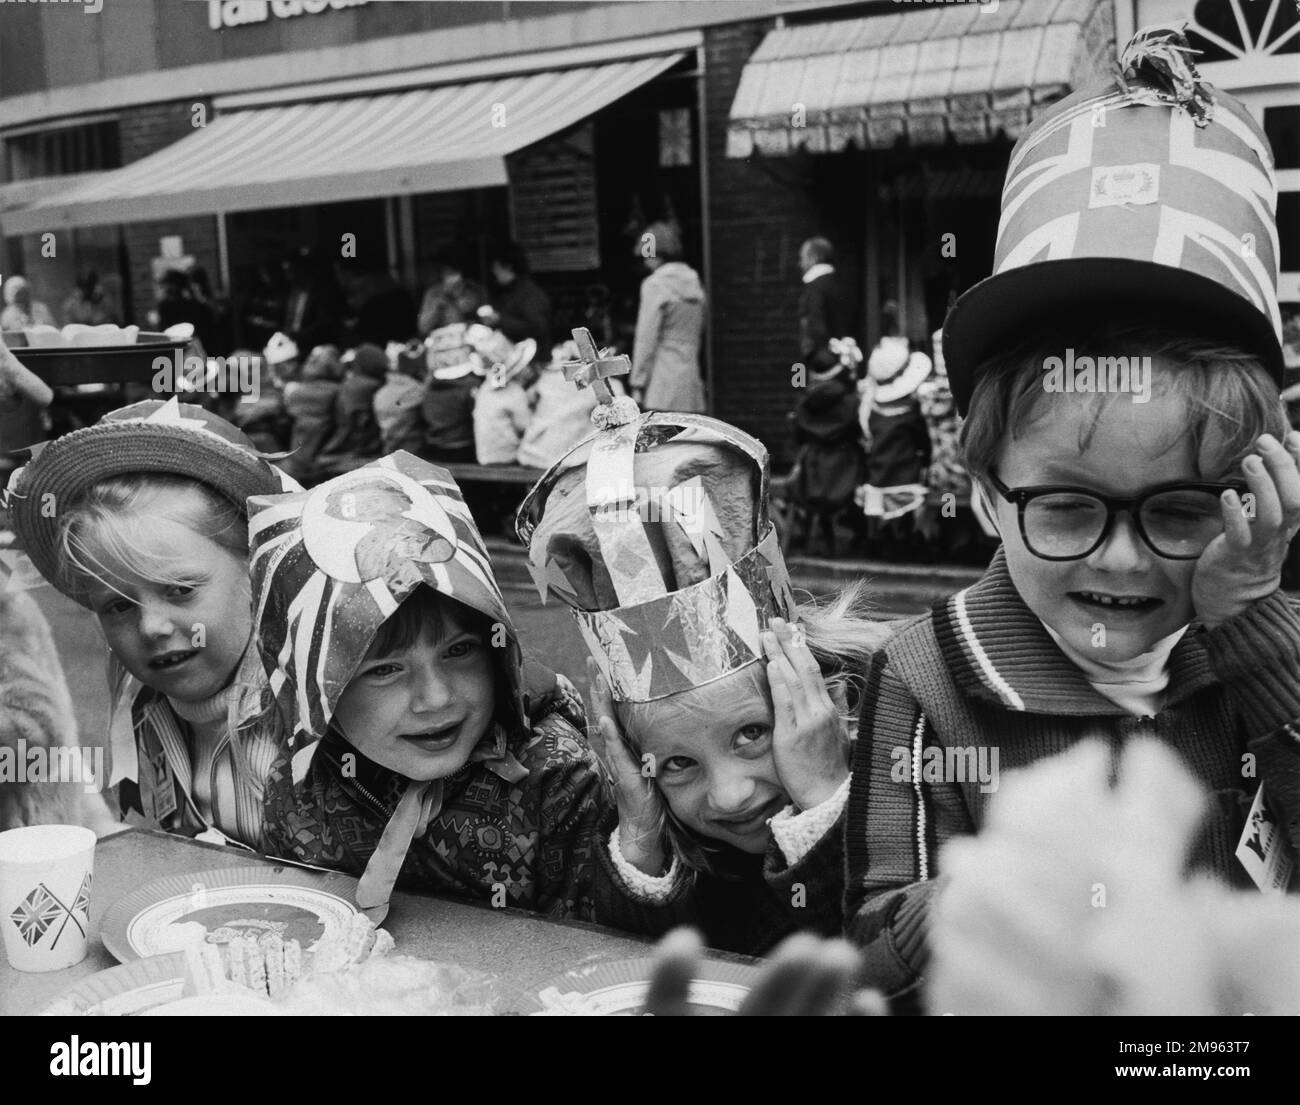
(115, 925)
(114, 982)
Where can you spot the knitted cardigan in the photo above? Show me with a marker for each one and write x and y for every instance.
(980, 671)
(750, 914)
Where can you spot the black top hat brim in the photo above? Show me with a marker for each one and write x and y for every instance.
(1000, 311)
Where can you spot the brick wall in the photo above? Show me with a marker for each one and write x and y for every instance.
(759, 216)
(145, 130)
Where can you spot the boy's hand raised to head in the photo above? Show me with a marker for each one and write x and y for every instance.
(640, 810)
(809, 743)
(1244, 563)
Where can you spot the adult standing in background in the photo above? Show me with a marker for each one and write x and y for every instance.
(451, 298)
(313, 309)
(87, 304)
(824, 308)
(669, 326)
(520, 309)
(21, 312)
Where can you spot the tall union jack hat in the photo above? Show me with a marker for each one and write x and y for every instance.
(1151, 188)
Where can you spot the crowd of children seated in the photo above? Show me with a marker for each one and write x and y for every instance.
(466, 395)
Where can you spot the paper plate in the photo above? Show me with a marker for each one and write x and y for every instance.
(241, 900)
(125, 991)
(619, 989)
(150, 988)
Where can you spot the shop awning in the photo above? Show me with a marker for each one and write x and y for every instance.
(922, 73)
(422, 140)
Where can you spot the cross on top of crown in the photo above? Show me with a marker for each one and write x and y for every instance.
(592, 367)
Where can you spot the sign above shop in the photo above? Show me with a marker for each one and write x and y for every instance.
(553, 202)
(238, 13)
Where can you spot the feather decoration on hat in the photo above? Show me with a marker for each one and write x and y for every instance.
(1161, 58)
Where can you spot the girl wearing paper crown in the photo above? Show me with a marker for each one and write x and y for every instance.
(722, 706)
(420, 754)
(141, 519)
(1119, 376)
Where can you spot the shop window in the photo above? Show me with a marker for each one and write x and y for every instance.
(1282, 125)
(60, 152)
(1226, 29)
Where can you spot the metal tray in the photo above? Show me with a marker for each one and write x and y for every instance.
(64, 366)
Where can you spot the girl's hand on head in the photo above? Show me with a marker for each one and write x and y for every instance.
(640, 809)
(809, 743)
(1244, 563)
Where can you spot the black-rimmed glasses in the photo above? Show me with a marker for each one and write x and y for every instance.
(1175, 520)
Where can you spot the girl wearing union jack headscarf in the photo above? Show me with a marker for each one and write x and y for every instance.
(422, 751)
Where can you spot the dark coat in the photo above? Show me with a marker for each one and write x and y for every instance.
(525, 312)
(825, 312)
(830, 460)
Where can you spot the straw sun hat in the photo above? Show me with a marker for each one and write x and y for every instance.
(152, 437)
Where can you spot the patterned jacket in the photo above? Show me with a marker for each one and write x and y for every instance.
(980, 672)
(528, 842)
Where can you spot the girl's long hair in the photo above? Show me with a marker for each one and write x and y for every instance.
(107, 527)
(843, 636)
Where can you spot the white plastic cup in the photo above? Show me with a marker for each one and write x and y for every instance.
(45, 877)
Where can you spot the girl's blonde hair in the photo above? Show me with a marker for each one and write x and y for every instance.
(843, 636)
(108, 524)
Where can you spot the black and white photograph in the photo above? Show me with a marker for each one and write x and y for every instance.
(587, 508)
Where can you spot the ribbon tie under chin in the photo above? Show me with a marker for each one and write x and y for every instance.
(420, 803)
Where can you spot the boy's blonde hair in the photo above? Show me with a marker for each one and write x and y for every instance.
(1228, 395)
(842, 636)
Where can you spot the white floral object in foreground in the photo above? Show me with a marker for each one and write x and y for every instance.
(1072, 900)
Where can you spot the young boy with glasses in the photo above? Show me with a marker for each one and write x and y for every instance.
(1145, 509)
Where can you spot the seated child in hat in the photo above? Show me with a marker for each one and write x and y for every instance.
(448, 408)
(724, 709)
(898, 440)
(1123, 422)
(140, 519)
(422, 752)
(263, 416)
(397, 402)
(501, 407)
(356, 433)
(561, 411)
(311, 401)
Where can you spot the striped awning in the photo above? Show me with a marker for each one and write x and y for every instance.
(422, 140)
(922, 73)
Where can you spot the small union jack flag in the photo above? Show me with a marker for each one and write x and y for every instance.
(82, 902)
(36, 913)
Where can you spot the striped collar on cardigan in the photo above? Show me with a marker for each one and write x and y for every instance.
(997, 650)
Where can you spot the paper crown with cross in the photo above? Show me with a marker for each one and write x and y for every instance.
(1151, 188)
(655, 531)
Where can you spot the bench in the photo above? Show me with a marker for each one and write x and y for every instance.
(493, 492)
(513, 474)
